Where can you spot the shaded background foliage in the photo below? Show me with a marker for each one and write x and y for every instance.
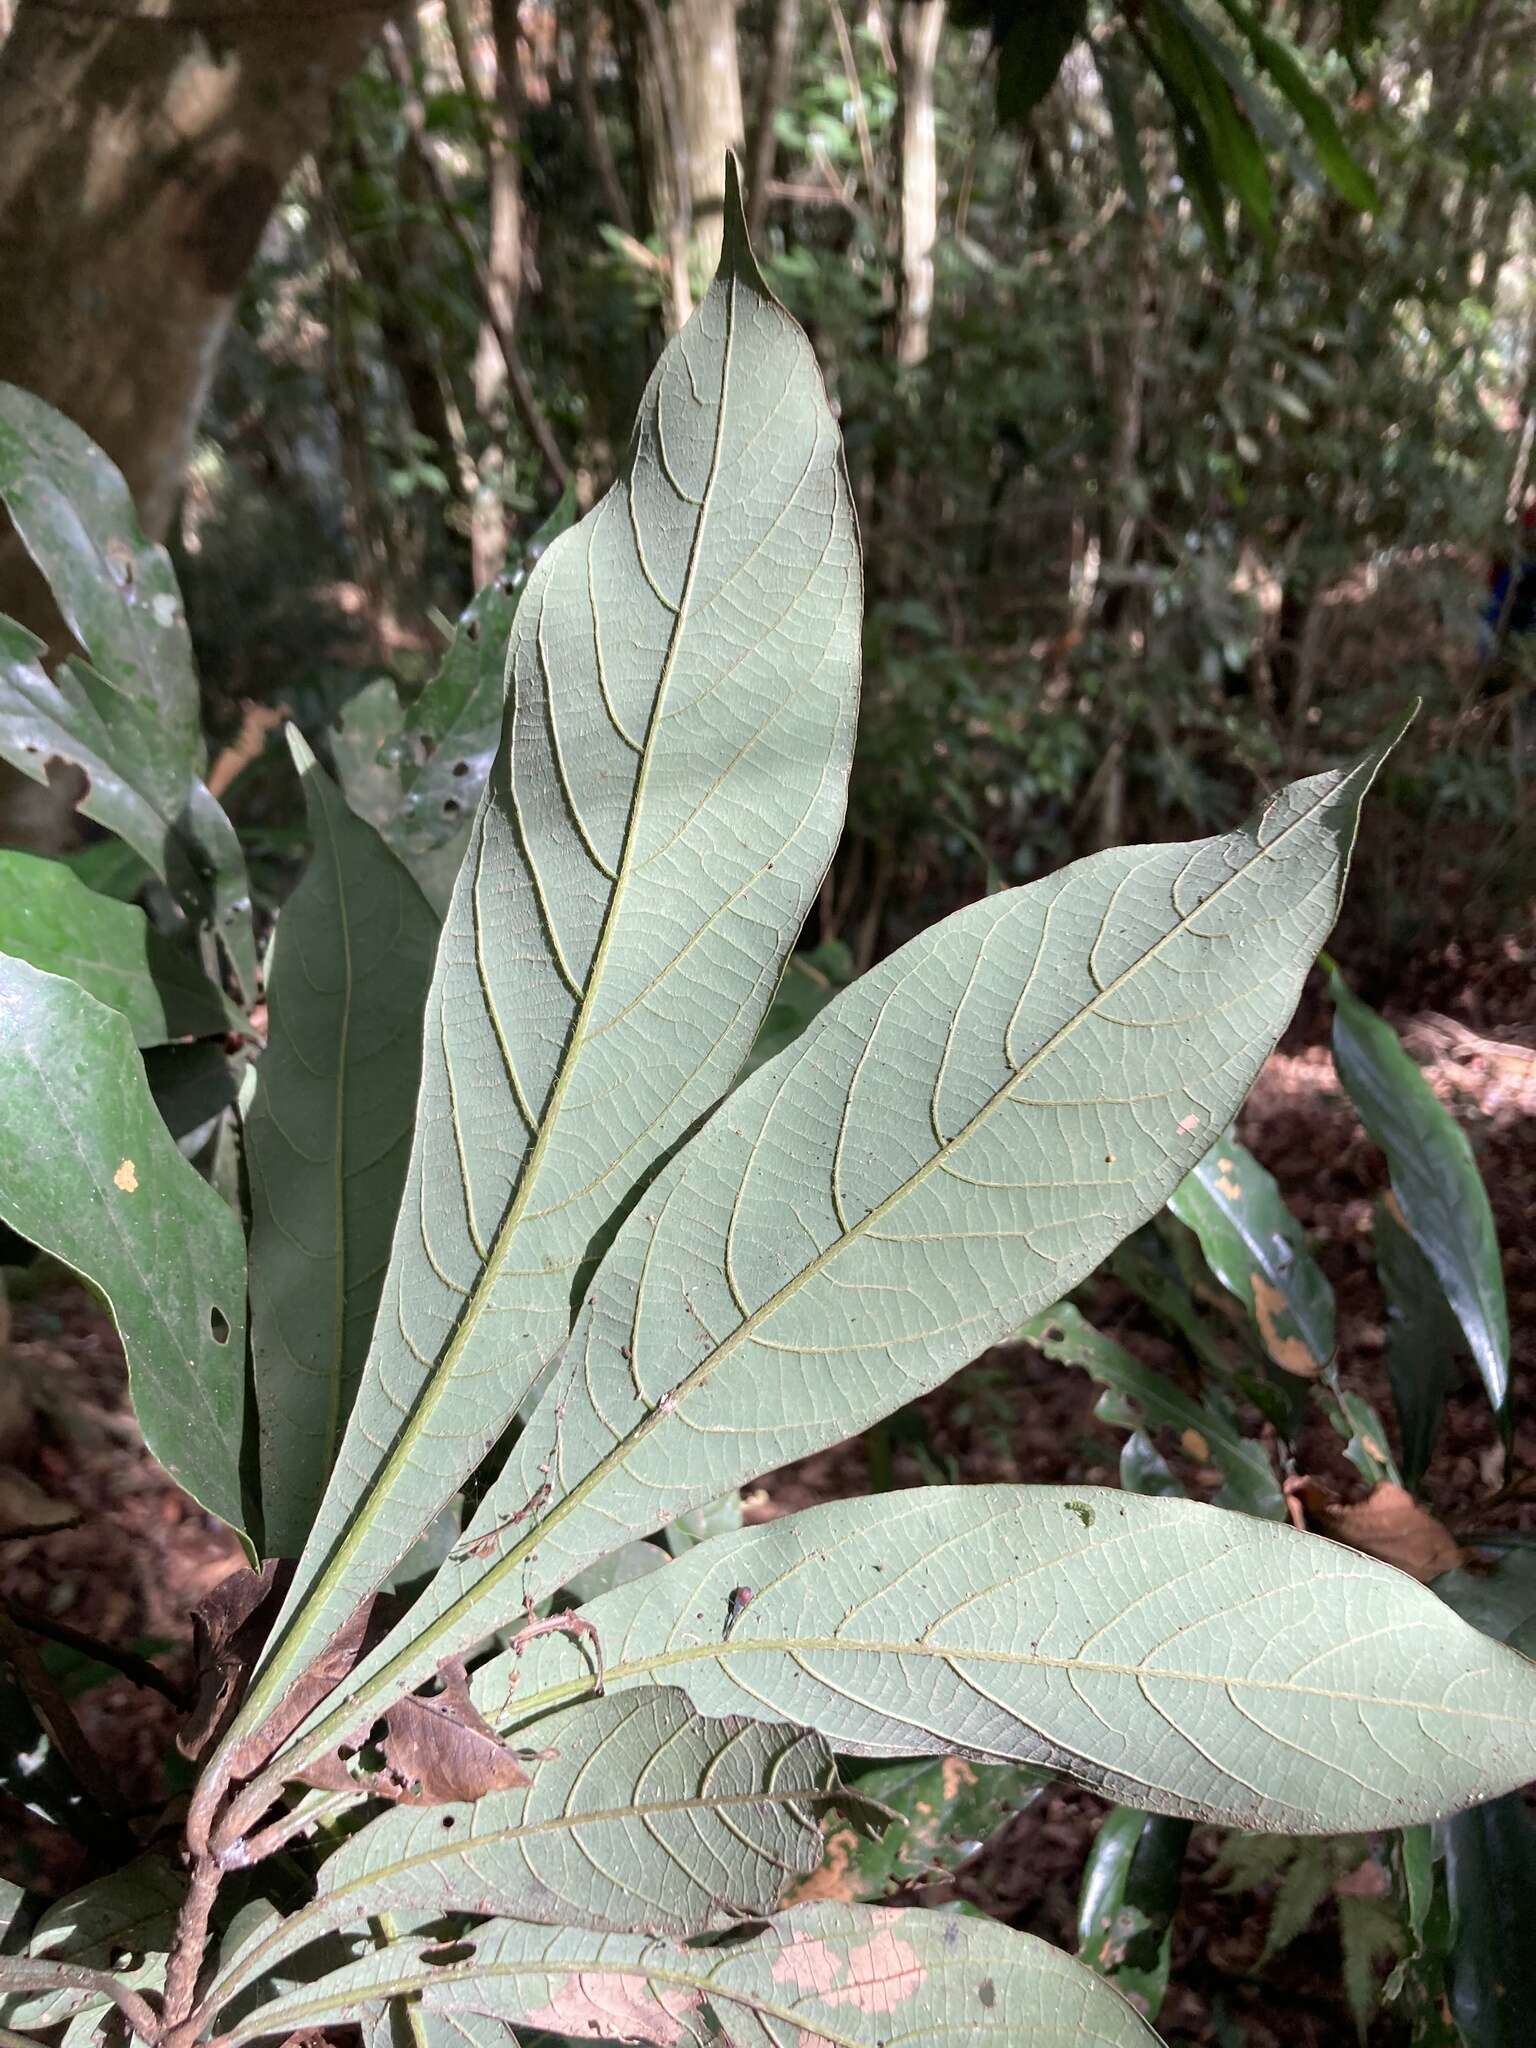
(1164, 494)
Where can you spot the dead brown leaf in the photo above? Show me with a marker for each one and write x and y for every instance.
(1390, 1524)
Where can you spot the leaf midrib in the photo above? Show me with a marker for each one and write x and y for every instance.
(349, 1711)
(965, 1653)
(267, 1685)
(706, 1986)
(331, 1905)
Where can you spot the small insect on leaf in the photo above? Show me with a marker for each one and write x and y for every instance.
(738, 1603)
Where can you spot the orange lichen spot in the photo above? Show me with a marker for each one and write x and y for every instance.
(1288, 1352)
(126, 1177)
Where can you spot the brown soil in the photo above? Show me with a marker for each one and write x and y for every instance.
(141, 1555)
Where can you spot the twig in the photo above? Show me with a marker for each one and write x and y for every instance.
(860, 117)
(26, 1973)
(128, 1662)
(56, 1715)
(519, 382)
(191, 1939)
(598, 146)
(777, 66)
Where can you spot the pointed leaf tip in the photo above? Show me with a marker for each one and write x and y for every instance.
(302, 752)
(736, 256)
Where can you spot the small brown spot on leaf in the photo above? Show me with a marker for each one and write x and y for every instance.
(126, 1177)
(956, 1775)
(1229, 1187)
(1195, 1446)
(986, 1991)
(1288, 1352)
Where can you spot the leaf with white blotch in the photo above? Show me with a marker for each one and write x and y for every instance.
(856, 1976)
(130, 715)
(122, 1923)
(116, 591)
(1439, 1190)
(327, 1140)
(956, 1140)
(1137, 1395)
(452, 729)
(643, 1817)
(89, 1173)
(111, 949)
(136, 787)
(1166, 1654)
(1257, 1250)
(1129, 1896)
(669, 789)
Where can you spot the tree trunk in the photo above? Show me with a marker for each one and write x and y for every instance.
(918, 24)
(688, 115)
(142, 156)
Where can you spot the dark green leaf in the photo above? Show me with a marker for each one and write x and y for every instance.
(1342, 169)
(1033, 38)
(1130, 1893)
(116, 590)
(49, 918)
(1434, 1176)
(1140, 1397)
(1490, 1873)
(1256, 1249)
(1425, 1345)
(328, 1139)
(89, 1173)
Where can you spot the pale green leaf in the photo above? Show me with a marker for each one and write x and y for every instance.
(1434, 1176)
(855, 1976)
(1166, 1654)
(122, 1923)
(327, 1141)
(89, 1173)
(641, 1816)
(683, 671)
(54, 921)
(1257, 1250)
(957, 1139)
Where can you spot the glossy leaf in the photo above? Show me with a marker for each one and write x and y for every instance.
(175, 826)
(955, 1140)
(89, 1173)
(856, 1976)
(121, 1923)
(327, 1140)
(640, 1817)
(129, 716)
(1490, 1872)
(1130, 1893)
(670, 788)
(1258, 1251)
(116, 591)
(111, 949)
(1425, 1345)
(1439, 1190)
(1138, 1395)
(1168, 1655)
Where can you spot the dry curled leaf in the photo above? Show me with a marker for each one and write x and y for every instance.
(1390, 1524)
